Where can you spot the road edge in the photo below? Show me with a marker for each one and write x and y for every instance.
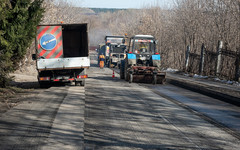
(215, 92)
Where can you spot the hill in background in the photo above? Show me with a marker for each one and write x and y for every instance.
(104, 10)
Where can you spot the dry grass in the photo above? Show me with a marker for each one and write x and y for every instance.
(11, 97)
(11, 91)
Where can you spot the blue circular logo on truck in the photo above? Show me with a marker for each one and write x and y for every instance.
(48, 41)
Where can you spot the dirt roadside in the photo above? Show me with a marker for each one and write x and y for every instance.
(23, 86)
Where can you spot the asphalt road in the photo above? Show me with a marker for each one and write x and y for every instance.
(109, 113)
(119, 115)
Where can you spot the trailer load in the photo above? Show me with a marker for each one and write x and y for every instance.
(142, 63)
(62, 53)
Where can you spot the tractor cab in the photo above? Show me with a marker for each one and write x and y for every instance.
(143, 47)
(142, 44)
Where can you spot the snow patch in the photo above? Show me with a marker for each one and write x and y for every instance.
(227, 82)
(235, 83)
(171, 70)
(200, 76)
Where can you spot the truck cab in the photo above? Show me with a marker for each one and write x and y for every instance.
(117, 53)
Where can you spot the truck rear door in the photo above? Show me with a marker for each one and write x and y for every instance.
(49, 42)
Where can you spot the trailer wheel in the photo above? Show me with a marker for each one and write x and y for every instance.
(130, 78)
(154, 79)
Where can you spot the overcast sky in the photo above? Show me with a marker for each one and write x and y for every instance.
(119, 3)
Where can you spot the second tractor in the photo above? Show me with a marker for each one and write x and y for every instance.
(142, 63)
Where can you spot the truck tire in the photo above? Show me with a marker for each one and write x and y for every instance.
(122, 69)
(44, 84)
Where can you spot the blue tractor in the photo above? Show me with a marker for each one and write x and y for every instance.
(142, 62)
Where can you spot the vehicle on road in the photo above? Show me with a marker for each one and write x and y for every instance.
(115, 50)
(142, 62)
(117, 53)
(62, 53)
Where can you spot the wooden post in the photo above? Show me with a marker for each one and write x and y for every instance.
(237, 74)
(219, 58)
(201, 65)
(187, 58)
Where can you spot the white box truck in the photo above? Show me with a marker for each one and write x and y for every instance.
(62, 53)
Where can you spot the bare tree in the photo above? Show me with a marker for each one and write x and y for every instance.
(189, 22)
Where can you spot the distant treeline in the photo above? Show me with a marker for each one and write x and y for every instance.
(104, 10)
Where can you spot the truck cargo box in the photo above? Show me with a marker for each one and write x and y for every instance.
(62, 46)
(62, 53)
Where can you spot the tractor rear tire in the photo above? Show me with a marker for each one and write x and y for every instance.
(122, 69)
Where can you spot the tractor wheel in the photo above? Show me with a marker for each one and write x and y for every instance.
(126, 74)
(122, 69)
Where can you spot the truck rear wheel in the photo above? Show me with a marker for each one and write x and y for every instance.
(44, 84)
